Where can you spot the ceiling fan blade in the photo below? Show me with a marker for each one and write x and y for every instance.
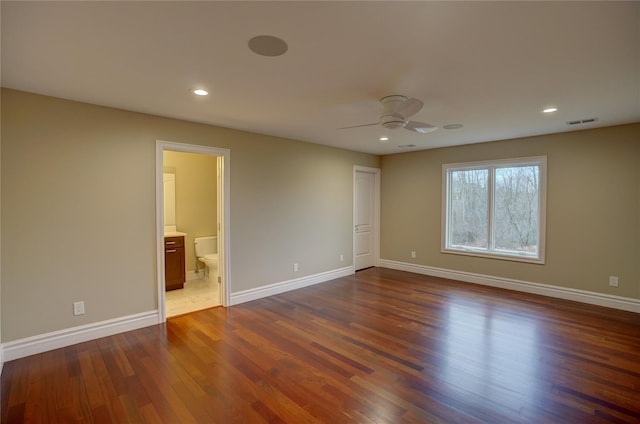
(420, 127)
(358, 126)
(409, 107)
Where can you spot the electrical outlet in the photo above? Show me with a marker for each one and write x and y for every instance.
(341, 258)
(613, 281)
(295, 267)
(78, 308)
(413, 254)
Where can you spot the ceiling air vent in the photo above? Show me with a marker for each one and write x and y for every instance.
(582, 121)
(406, 146)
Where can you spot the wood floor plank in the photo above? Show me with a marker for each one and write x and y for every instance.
(380, 346)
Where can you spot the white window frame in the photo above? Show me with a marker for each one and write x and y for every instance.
(540, 161)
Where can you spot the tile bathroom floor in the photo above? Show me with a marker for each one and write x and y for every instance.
(196, 295)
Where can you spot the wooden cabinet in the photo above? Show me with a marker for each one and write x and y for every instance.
(174, 266)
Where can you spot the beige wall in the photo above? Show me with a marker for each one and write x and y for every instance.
(78, 209)
(196, 198)
(593, 209)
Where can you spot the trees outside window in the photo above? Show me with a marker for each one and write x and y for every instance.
(495, 208)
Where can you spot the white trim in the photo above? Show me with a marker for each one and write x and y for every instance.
(584, 296)
(376, 218)
(224, 225)
(285, 286)
(224, 233)
(70, 336)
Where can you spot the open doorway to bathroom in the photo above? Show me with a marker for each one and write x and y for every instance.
(192, 215)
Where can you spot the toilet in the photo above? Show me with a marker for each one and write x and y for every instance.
(207, 252)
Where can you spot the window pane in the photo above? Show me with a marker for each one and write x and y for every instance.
(468, 193)
(516, 209)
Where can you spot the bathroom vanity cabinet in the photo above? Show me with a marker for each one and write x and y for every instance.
(174, 264)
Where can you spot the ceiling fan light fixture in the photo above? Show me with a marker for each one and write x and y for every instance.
(392, 125)
(391, 122)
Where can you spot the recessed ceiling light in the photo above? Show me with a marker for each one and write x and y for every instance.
(550, 109)
(268, 45)
(200, 92)
(384, 138)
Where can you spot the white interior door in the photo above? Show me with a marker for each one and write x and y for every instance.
(365, 218)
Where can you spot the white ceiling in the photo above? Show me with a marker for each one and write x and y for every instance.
(491, 66)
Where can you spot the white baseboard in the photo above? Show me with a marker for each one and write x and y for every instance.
(57, 339)
(284, 286)
(62, 338)
(592, 298)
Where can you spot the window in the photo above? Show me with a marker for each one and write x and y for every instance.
(495, 209)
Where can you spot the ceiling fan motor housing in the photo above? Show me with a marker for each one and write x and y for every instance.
(390, 105)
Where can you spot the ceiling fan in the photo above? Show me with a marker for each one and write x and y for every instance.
(396, 109)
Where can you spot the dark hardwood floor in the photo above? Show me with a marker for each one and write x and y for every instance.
(381, 346)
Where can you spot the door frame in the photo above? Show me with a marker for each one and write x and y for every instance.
(224, 207)
(376, 211)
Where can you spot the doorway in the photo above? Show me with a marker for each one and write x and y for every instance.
(219, 227)
(366, 217)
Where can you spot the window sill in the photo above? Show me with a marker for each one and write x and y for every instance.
(478, 254)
